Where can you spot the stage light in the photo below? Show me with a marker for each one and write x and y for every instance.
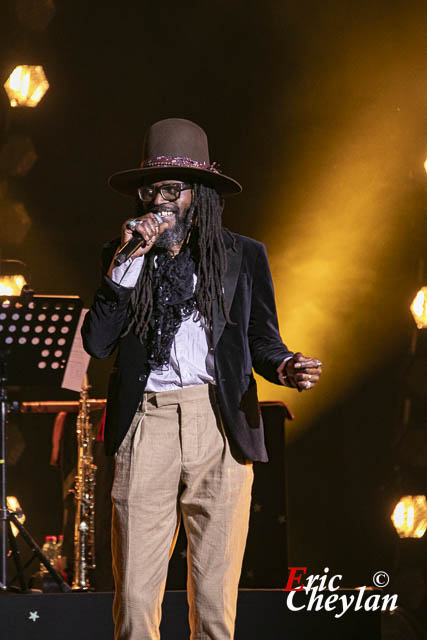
(419, 308)
(14, 506)
(12, 277)
(410, 517)
(11, 285)
(425, 165)
(26, 86)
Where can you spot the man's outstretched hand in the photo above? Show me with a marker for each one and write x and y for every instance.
(300, 372)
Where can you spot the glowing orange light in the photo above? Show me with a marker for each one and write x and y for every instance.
(11, 285)
(26, 86)
(410, 517)
(419, 308)
(14, 506)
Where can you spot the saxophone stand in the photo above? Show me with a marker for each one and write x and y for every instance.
(36, 336)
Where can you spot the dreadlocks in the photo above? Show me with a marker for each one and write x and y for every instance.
(207, 246)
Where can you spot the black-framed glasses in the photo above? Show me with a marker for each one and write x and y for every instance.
(170, 191)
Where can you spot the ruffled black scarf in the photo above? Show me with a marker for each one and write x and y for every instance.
(173, 302)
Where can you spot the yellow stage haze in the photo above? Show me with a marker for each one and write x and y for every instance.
(341, 218)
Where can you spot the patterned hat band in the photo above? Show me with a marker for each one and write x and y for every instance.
(178, 161)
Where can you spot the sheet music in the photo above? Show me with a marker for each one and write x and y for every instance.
(78, 361)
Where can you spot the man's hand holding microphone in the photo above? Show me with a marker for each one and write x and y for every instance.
(137, 237)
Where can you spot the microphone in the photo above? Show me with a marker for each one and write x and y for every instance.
(133, 244)
(129, 248)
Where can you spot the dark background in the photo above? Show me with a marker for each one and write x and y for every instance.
(318, 109)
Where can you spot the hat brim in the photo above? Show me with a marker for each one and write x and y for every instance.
(128, 182)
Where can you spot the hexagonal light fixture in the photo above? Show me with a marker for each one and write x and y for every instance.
(410, 516)
(419, 308)
(26, 86)
(13, 276)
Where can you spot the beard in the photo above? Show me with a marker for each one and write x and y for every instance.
(176, 234)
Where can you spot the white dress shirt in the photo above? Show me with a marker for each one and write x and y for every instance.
(191, 359)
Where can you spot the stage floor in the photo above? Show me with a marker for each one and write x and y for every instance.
(261, 615)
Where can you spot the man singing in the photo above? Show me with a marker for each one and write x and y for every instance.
(192, 312)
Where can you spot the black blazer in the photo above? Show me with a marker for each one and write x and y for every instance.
(253, 341)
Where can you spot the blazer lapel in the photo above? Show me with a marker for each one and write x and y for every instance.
(234, 261)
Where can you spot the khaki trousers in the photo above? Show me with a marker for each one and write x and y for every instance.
(175, 460)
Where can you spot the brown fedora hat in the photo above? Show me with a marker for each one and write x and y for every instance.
(174, 148)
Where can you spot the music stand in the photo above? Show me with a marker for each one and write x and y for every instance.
(36, 338)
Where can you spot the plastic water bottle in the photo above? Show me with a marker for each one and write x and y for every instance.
(49, 550)
(61, 560)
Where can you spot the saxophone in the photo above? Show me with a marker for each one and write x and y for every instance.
(84, 493)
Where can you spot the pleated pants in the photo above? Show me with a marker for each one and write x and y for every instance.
(174, 462)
